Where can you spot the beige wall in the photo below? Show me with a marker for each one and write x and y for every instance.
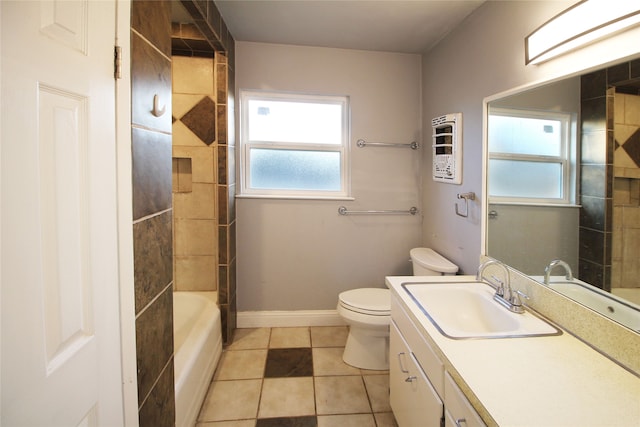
(484, 56)
(299, 254)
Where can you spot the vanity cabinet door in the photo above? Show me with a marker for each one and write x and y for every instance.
(414, 401)
(459, 411)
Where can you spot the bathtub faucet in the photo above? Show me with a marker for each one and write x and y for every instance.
(552, 265)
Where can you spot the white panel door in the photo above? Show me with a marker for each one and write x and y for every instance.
(60, 312)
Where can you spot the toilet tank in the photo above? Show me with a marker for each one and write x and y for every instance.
(427, 262)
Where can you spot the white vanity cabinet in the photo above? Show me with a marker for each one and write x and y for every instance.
(422, 393)
(459, 412)
(414, 401)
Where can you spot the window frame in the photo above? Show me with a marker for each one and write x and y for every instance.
(246, 146)
(566, 159)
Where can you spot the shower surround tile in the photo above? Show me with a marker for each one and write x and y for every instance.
(154, 329)
(195, 273)
(201, 120)
(197, 204)
(192, 76)
(153, 258)
(152, 172)
(159, 408)
(195, 237)
(202, 159)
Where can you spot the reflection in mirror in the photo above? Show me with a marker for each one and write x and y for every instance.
(564, 182)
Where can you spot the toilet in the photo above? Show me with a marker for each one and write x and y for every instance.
(367, 311)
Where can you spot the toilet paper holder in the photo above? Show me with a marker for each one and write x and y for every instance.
(466, 197)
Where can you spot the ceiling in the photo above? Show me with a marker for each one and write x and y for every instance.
(413, 26)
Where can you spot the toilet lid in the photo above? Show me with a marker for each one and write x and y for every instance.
(374, 301)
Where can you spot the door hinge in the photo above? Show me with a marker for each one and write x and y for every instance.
(117, 62)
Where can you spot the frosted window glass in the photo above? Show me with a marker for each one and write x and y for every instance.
(514, 178)
(519, 135)
(302, 122)
(294, 169)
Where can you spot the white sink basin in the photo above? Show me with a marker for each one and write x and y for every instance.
(467, 310)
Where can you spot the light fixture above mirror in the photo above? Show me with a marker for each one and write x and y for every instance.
(583, 23)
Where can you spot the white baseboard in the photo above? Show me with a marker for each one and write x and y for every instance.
(275, 319)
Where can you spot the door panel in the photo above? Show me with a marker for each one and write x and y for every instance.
(60, 308)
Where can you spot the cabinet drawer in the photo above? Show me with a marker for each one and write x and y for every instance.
(414, 401)
(459, 412)
(423, 352)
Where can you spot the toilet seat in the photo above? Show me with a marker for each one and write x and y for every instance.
(368, 301)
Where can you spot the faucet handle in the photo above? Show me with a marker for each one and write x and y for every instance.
(515, 297)
(499, 286)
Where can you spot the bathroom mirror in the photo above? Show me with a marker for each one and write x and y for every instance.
(562, 183)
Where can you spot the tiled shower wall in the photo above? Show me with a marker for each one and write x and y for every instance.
(194, 174)
(152, 213)
(626, 196)
(597, 93)
(213, 29)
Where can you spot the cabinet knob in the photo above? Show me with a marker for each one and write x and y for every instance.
(410, 379)
(460, 421)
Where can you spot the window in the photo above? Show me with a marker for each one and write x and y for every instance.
(530, 156)
(294, 145)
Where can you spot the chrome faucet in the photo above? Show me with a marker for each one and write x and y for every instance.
(552, 265)
(504, 295)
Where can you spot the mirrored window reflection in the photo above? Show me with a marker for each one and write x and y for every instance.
(529, 156)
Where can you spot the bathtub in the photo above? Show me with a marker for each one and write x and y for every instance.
(197, 336)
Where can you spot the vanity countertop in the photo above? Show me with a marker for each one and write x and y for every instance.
(533, 381)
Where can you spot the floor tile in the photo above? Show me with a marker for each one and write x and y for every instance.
(250, 338)
(241, 365)
(231, 400)
(288, 422)
(385, 419)
(290, 337)
(341, 395)
(329, 336)
(378, 390)
(289, 362)
(355, 420)
(371, 372)
(328, 362)
(237, 423)
(294, 377)
(287, 397)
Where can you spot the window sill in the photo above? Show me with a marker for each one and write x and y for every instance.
(290, 197)
(547, 205)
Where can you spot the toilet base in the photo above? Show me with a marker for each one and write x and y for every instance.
(367, 348)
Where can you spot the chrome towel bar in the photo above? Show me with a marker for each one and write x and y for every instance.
(342, 210)
(362, 143)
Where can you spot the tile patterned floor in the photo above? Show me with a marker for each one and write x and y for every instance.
(294, 377)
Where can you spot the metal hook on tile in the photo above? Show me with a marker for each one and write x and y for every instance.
(466, 197)
(156, 111)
